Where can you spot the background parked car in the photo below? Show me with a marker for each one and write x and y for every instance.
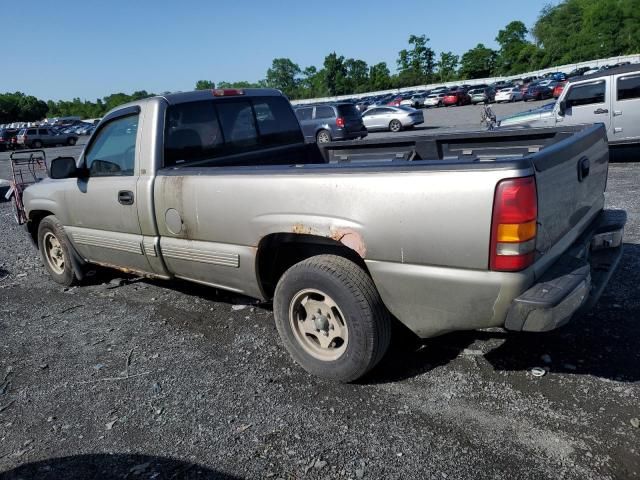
(537, 92)
(434, 100)
(7, 136)
(329, 122)
(43, 137)
(509, 94)
(557, 90)
(482, 95)
(456, 97)
(416, 101)
(393, 119)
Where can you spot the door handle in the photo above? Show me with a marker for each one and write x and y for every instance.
(583, 168)
(600, 111)
(617, 113)
(125, 197)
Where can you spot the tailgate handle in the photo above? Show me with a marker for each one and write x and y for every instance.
(583, 168)
(600, 111)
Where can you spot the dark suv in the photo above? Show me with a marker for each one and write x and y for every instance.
(328, 122)
(7, 136)
(38, 137)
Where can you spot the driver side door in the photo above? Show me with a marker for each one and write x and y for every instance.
(102, 206)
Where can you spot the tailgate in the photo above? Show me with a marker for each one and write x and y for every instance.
(571, 177)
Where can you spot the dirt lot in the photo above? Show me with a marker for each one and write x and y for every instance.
(128, 378)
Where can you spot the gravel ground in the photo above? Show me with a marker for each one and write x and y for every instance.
(129, 378)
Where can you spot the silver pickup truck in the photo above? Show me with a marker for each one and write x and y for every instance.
(443, 233)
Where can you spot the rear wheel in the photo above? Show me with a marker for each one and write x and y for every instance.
(395, 126)
(36, 144)
(55, 251)
(331, 318)
(323, 136)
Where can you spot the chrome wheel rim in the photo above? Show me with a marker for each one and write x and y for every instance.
(53, 253)
(323, 137)
(395, 126)
(318, 324)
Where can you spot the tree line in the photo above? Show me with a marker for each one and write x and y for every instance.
(569, 32)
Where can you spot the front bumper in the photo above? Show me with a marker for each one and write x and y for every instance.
(575, 281)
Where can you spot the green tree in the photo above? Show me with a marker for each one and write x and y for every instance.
(18, 107)
(512, 40)
(205, 85)
(283, 76)
(312, 83)
(447, 66)
(416, 65)
(357, 80)
(335, 74)
(479, 62)
(379, 77)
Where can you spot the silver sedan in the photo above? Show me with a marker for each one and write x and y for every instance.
(393, 119)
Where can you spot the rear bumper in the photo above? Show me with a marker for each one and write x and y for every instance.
(343, 134)
(575, 281)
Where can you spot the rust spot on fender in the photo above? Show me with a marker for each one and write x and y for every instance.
(302, 229)
(350, 238)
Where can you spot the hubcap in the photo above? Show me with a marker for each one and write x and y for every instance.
(53, 253)
(323, 138)
(318, 324)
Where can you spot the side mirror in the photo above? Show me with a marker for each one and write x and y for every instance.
(562, 108)
(63, 167)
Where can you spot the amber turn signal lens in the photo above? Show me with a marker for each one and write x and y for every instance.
(516, 232)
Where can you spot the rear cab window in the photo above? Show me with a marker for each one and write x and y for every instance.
(214, 129)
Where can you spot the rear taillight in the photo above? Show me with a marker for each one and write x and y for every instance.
(514, 225)
(340, 122)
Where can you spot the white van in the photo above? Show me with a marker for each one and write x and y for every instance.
(611, 97)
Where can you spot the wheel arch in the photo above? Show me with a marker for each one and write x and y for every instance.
(277, 252)
(33, 222)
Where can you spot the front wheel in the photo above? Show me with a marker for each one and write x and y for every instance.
(71, 142)
(395, 126)
(331, 318)
(55, 251)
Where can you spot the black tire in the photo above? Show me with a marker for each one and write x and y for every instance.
(71, 141)
(50, 227)
(36, 144)
(395, 126)
(368, 320)
(323, 136)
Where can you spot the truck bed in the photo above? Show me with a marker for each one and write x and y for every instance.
(480, 146)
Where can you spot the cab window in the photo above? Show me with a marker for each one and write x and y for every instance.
(587, 94)
(112, 153)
